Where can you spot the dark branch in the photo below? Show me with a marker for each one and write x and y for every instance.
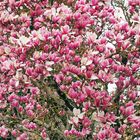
(71, 105)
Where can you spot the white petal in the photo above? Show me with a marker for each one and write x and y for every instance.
(83, 60)
(17, 84)
(75, 119)
(88, 62)
(110, 46)
(24, 40)
(80, 116)
(7, 50)
(83, 67)
(76, 112)
(49, 69)
(111, 87)
(94, 77)
(49, 63)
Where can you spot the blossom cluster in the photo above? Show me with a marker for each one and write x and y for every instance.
(70, 70)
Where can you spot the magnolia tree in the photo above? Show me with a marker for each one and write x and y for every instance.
(69, 70)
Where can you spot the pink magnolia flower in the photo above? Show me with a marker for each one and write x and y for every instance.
(23, 136)
(94, 2)
(102, 135)
(15, 103)
(122, 128)
(86, 122)
(44, 134)
(128, 110)
(3, 132)
(35, 90)
(14, 132)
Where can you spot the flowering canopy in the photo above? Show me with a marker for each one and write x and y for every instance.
(70, 70)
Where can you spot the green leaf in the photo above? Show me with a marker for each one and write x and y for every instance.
(20, 93)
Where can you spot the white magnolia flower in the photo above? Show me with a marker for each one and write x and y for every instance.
(24, 40)
(110, 46)
(77, 115)
(85, 61)
(91, 36)
(7, 50)
(111, 87)
(39, 33)
(119, 13)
